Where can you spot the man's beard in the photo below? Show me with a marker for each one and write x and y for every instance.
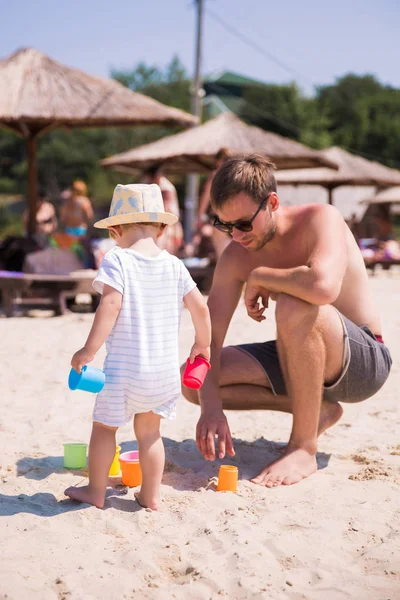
(268, 235)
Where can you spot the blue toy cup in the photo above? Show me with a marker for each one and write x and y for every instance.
(88, 380)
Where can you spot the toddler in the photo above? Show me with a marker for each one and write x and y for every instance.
(142, 290)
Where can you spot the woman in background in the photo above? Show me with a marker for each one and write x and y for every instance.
(76, 213)
(172, 238)
(46, 219)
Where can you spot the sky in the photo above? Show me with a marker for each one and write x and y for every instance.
(312, 42)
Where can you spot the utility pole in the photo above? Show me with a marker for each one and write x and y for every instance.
(192, 181)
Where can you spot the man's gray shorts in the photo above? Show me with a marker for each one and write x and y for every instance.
(366, 365)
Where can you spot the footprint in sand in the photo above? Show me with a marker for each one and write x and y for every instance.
(374, 469)
(377, 471)
(361, 459)
(395, 450)
(171, 467)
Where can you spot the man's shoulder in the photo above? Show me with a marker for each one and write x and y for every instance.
(311, 209)
(233, 254)
(309, 213)
(233, 262)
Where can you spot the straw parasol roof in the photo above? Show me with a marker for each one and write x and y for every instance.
(38, 94)
(389, 196)
(195, 150)
(353, 170)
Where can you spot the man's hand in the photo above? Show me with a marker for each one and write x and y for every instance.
(81, 358)
(211, 424)
(256, 300)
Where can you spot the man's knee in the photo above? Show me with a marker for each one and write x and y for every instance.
(290, 312)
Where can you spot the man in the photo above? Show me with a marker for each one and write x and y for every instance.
(328, 347)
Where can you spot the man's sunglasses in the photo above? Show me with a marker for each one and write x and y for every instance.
(240, 225)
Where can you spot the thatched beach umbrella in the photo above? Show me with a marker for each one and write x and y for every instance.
(389, 196)
(353, 170)
(195, 150)
(38, 94)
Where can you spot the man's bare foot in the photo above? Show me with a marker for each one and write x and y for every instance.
(296, 464)
(330, 414)
(85, 494)
(146, 502)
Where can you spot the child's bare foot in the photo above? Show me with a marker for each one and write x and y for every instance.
(85, 494)
(146, 502)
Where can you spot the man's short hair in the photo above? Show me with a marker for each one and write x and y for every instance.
(252, 174)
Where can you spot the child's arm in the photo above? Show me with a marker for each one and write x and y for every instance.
(104, 321)
(197, 306)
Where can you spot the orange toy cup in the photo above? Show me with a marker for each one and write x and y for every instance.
(195, 372)
(130, 466)
(227, 478)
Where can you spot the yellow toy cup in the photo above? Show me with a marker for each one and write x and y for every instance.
(227, 478)
(115, 467)
(131, 471)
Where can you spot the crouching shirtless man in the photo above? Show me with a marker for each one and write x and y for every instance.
(328, 347)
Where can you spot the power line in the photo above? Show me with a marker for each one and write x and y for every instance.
(244, 38)
(269, 55)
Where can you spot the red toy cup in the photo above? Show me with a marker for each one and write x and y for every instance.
(195, 372)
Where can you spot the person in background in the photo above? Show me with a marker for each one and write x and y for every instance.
(76, 212)
(354, 226)
(172, 238)
(219, 239)
(46, 219)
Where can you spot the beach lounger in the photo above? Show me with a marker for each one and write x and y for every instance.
(202, 271)
(27, 289)
(385, 263)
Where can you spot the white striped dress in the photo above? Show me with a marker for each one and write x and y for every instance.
(142, 363)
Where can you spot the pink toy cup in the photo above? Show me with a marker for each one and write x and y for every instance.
(196, 372)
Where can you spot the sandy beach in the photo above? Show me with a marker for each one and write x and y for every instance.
(334, 536)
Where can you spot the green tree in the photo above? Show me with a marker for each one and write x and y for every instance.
(356, 112)
(276, 108)
(363, 116)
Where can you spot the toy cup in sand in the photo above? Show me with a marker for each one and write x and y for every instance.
(227, 478)
(195, 372)
(115, 467)
(130, 466)
(88, 380)
(75, 456)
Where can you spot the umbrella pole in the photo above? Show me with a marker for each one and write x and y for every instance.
(32, 184)
(192, 182)
(330, 196)
(192, 193)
